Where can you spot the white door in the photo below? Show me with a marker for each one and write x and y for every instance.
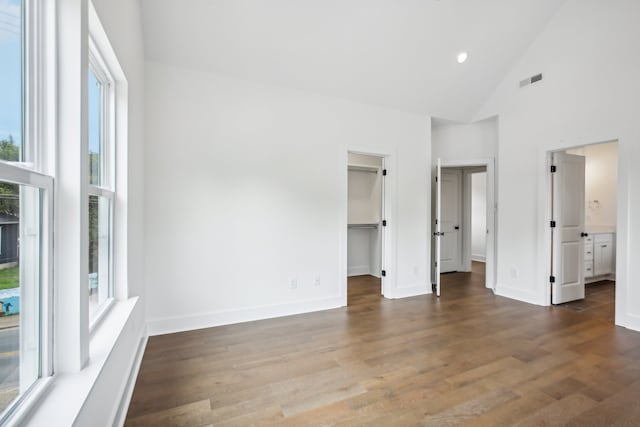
(450, 218)
(380, 233)
(437, 234)
(567, 270)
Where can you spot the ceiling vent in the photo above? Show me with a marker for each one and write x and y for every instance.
(531, 80)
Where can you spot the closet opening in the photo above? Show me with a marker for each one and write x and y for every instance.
(583, 246)
(365, 228)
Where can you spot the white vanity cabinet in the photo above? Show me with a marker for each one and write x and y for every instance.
(588, 257)
(599, 256)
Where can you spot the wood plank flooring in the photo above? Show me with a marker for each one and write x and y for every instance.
(599, 301)
(469, 358)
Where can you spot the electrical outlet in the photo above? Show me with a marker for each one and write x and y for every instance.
(293, 283)
(514, 273)
(317, 281)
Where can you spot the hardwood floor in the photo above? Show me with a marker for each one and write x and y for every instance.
(599, 301)
(363, 291)
(469, 358)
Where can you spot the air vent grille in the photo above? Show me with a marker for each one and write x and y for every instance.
(531, 80)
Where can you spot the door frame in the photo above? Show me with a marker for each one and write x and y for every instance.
(492, 210)
(387, 245)
(621, 251)
(467, 194)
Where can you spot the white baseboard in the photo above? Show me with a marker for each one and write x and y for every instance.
(170, 325)
(358, 270)
(628, 321)
(595, 279)
(479, 258)
(517, 294)
(123, 408)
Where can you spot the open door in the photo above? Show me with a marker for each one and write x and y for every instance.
(449, 219)
(438, 233)
(382, 230)
(568, 226)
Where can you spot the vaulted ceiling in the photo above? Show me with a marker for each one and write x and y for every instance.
(395, 53)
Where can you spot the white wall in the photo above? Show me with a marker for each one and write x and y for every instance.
(459, 141)
(235, 208)
(361, 258)
(601, 183)
(478, 216)
(365, 197)
(590, 93)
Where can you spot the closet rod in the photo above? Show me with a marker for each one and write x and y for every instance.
(362, 226)
(363, 168)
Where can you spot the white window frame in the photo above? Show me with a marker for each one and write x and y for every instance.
(57, 56)
(106, 189)
(34, 170)
(22, 176)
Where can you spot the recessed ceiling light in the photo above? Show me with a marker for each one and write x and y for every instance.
(462, 56)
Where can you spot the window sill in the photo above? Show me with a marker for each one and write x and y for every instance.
(34, 397)
(103, 312)
(69, 391)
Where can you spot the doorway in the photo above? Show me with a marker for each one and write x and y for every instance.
(365, 224)
(582, 252)
(464, 221)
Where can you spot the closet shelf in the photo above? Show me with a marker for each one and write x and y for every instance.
(363, 168)
(370, 225)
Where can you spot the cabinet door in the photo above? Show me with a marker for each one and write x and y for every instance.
(603, 258)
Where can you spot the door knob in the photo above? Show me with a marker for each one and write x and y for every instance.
(457, 227)
(584, 234)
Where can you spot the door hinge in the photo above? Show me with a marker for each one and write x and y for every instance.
(552, 279)
(384, 172)
(384, 273)
(554, 169)
(436, 178)
(553, 224)
(436, 263)
(384, 222)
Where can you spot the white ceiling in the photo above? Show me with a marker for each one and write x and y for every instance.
(395, 53)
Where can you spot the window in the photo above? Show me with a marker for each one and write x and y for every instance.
(42, 145)
(101, 188)
(25, 218)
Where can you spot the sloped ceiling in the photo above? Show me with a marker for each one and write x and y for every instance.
(394, 53)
